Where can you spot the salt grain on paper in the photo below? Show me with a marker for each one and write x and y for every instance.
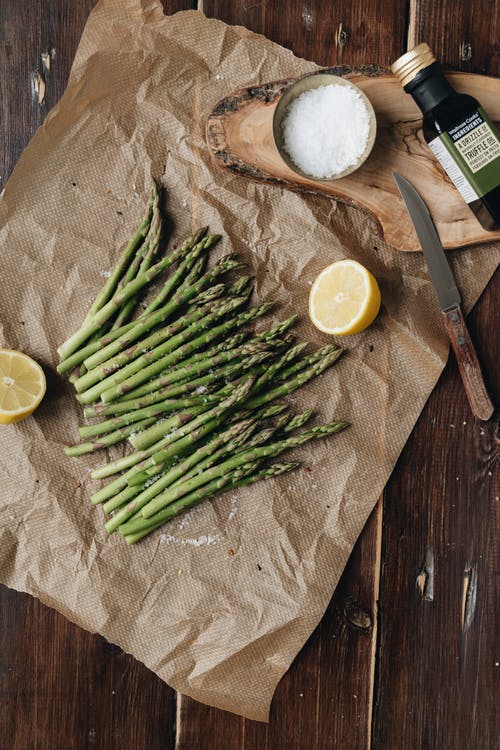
(234, 508)
(326, 130)
(201, 541)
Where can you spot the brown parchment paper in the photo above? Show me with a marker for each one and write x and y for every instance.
(214, 626)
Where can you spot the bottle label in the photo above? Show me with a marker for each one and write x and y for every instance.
(470, 154)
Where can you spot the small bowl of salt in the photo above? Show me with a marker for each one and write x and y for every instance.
(324, 127)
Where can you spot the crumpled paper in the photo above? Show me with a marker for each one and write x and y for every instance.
(220, 627)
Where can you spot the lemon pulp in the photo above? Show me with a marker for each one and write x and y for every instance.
(344, 299)
(22, 386)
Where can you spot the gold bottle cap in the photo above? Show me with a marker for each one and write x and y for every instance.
(408, 65)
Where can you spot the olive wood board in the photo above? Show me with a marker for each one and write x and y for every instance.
(240, 135)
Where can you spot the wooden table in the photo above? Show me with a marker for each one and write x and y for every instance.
(407, 656)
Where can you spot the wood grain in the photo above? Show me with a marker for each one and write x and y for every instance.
(358, 32)
(61, 687)
(240, 135)
(437, 684)
(438, 632)
(463, 36)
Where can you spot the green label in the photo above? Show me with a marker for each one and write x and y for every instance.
(470, 154)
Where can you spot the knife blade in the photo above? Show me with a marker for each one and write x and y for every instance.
(448, 297)
(439, 268)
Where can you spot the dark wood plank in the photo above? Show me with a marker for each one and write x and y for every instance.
(357, 32)
(463, 35)
(59, 686)
(324, 700)
(439, 643)
(438, 635)
(38, 41)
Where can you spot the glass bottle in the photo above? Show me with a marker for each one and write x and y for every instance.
(458, 131)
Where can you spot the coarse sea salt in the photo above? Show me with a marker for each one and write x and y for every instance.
(326, 130)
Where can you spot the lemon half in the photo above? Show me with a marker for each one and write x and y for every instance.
(344, 299)
(22, 386)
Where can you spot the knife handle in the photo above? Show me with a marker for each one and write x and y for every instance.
(468, 363)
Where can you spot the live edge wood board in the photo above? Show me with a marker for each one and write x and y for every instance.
(239, 133)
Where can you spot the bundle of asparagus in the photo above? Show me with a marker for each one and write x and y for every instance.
(185, 382)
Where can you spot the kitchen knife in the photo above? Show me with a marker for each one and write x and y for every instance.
(449, 299)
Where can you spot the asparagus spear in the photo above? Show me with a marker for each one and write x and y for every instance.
(271, 371)
(191, 261)
(193, 344)
(292, 377)
(123, 407)
(268, 336)
(279, 330)
(152, 319)
(175, 442)
(225, 443)
(126, 463)
(139, 527)
(297, 421)
(92, 347)
(231, 343)
(290, 385)
(243, 285)
(116, 341)
(110, 286)
(240, 459)
(117, 484)
(180, 380)
(254, 364)
(155, 453)
(309, 360)
(151, 361)
(154, 410)
(107, 440)
(117, 300)
(155, 456)
(247, 438)
(163, 405)
(218, 445)
(142, 261)
(136, 346)
(192, 242)
(212, 293)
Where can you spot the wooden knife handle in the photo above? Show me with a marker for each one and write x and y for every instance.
(468, 364)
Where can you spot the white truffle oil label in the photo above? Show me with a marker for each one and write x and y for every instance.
(470, 154)
(479, 147)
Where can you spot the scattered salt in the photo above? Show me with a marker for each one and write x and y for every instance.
(105, 274)
(234, 508)
(326, 130)
(201, 541)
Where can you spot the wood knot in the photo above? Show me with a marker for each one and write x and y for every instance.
(340, 37)
(355, 615)
(465, 51)
(425, 576)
